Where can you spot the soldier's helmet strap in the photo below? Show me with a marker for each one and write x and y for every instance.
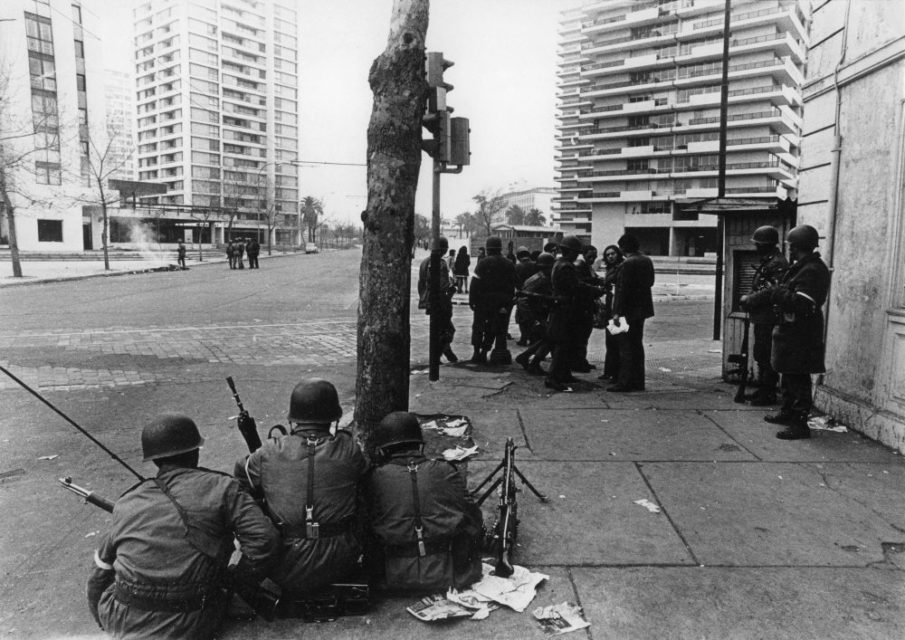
(416, 506)
(312, 528)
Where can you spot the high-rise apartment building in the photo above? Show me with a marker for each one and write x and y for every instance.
(217, 110)
(52, 97)
(639, 115)
(119, 94)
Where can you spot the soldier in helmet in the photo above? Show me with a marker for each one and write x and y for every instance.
(491, 296)
(308, 479)
(773, 265)
(161, 568)
(798, 346)
(444, 299)
(564, 329)
(424, 530)
(535, 302)
(525, 267)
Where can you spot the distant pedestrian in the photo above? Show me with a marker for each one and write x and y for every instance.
(461, 269)
(253, 249)
(482, 253)
(798, 347)
(231, 254)
(451, 260)
(240, 251)
(180, 254)
(612, 261)
(633, 301)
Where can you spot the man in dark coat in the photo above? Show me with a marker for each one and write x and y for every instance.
(180, 255)
(308, 481)
(444, 299)
(161, 570)
(525, 267)
(491, 298)
(424, 532)
(564, 327)
(253, 249)
(535, 301)
(773, 265)
(231, 254)
(584, 265)
(798, 347)
(634, 302)
(239, 249)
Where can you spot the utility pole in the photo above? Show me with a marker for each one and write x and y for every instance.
(450, 150)
(721, 181)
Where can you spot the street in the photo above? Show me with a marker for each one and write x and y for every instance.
(800, 541)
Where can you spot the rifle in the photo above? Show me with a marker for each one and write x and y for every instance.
(502, 536)
(88, 496)
(247, 426)
(741, 359)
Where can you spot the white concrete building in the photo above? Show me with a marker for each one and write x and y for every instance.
(217, 121)
(540, 198)
(119, 92)
(639, 114)
(53, 96)
(852, 186)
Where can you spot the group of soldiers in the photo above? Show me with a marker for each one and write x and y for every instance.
(558, 298)
(236, 249)
(305, 510)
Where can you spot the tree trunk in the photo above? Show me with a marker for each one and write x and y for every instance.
(104, 234)
(11, 223)
(394, 159)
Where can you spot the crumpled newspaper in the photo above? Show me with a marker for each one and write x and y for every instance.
(516, 592)
(459, 453)
(826, 424)
(560, 618)
(437, 607)
(647, 504)
(454, 428)
(469, 599)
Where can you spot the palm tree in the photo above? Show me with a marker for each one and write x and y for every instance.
(312, 209)
(535, 218)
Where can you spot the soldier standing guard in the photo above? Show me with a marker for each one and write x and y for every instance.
(444, 300)
(308, 480)
(491, 299)
(773, 265)
(161, 569)
(798, 346)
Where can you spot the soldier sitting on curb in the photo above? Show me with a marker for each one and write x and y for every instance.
(161, 570)
(424, 531)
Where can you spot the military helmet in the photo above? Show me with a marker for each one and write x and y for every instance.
(765, 235)
(803, 236)
(314, 401)
(398, 427)
(440, 244)
(522, 251)
(169, 434)
(545, 260)
(494, 242)
(572, 243)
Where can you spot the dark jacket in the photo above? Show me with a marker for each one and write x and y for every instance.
(798, 338)
(768, 274)
(572, 300)
(633, 298)
(451, 525)
(253, 249)
(524, 269)
(151, 554)
(493, 284)
(446, 290)
(463, 262)
(278, 472)
(535, 307)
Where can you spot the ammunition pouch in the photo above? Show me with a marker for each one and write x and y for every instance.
(147, 598)
(302, 530)
(335, 600)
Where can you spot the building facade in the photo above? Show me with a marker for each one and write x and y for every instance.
(639, 115)
(217, 114)
(50, 99)
(119, 91)
(540, 198)
(853, 191)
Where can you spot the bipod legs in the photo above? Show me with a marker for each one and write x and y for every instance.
(528, 484)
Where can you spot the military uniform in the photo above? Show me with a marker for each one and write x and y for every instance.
(524, 269)
(492, 289)
(444, 298)
(633, 301)
(409, 494)
(767, 275)
(309, 482)
(565, 321)
(160, 569)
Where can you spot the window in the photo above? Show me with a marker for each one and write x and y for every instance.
(50, 230)
(77, 13)
(80, 81)
(48, 173)
(79, 49)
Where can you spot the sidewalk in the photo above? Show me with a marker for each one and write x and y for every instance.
(755, 537)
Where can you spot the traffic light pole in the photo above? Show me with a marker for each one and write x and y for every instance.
(433, 373)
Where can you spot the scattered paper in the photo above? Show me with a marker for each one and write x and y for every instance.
(826, 424)
(469, 599)
(455, 428)
(616, 329)
(560, 618)
(459, 453)
(437, 607)
(516, 592)
(91, 534)
(647, 504)
(53, 457)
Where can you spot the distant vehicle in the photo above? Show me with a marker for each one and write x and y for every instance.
(310, 247)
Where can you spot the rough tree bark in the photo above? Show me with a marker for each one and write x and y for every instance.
(394, 159)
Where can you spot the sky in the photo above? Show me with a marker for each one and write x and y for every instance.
(504, 76)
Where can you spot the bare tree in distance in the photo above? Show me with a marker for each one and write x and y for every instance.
(397, 80)
(465, 221)
(490, 206)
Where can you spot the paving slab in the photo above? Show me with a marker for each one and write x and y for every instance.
(389, 619)
(590, 518)
(759, 437)
(772, 514)
(628, 434)
(640, 603)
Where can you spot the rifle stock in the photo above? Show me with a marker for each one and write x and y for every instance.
(246, 424)
(742, 360)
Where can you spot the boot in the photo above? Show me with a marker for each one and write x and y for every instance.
(449, 355)
(500, 356)
(479, 357)
(764, 398)
(785, 416)
(798, 428)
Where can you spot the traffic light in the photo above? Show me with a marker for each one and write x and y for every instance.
(459, 142)
(436, 65)
(450, 144)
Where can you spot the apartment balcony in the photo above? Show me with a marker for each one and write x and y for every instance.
(618, 175)
(785, 19)
(649, 15)
(647, 129)
(661, 35)
(778, 121)
(690, 8)
(658, 81)
(602, 153)
(702, 192)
